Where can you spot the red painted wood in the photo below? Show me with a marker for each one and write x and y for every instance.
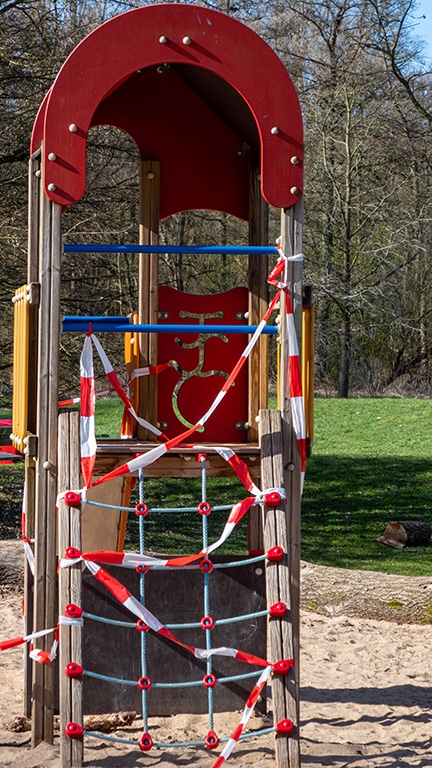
(88, 89)
(197, 393)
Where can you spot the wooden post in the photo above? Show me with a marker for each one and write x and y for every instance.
(30, 467)
(276, 533)
(70, 588)
(292, 234)
(148, 290)
(258, 359)
(45, 608)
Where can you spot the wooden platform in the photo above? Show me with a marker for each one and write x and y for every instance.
(178, 462)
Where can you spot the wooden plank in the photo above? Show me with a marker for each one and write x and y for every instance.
(276, 525)
(29, 510)
(33, 277)
(53, 331)
(101, 526)
(70, 649)
(291, 231)
(148, 289)
(38, 721)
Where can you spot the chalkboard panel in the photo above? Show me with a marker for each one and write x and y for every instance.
(173, 597)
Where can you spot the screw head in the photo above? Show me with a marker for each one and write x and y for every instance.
(295, 160)
(52, 156)
(275, 130)
(163, 39)
(187, 40)
(73, 128)
(51, 188)
(294, 190)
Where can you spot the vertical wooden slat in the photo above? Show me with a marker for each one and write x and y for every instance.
(30, 467)
(43, 403)
(276, 533)
(70, 589)
(148, 289)
(258, 359)
(51, 610)
(292, 233)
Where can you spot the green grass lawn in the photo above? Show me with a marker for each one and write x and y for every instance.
(371, 464)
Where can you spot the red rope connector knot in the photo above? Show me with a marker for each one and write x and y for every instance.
(72, 499)
(141, 509)
(73, 611)
(285, 727)
(145, 742)
(144, 684)
(277, 610)
(212, 741)
(204, 508)
(201, 457)
(142, 568)
(272, 499)
(206, 565)
(73, 730)
(73, 670)
(283, 666)
(72, 553)
(209, 681)
(142, 626)
(207, 622)
(275, 554)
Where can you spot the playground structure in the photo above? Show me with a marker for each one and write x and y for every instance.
(235, 145)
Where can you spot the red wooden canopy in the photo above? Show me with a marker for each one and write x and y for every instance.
(196, 90)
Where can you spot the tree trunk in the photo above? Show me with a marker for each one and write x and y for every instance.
(409, 533)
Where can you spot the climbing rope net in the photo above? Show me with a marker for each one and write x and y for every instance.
(145, 620)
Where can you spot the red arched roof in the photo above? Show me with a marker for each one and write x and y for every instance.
(204, 109)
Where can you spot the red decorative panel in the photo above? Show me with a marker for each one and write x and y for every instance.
(203, 363)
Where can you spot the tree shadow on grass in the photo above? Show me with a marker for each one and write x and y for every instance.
(348, 501)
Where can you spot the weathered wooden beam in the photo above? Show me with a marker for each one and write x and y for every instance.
(276, 533)
(148, 289)
(69, 535)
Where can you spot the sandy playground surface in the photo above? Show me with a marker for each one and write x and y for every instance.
(366, 701)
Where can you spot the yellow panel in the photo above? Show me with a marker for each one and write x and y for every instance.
(20, 368)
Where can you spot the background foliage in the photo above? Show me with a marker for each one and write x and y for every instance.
(365, 93)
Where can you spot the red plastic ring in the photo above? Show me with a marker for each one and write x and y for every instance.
(145, 742)
(285, 727)
(272, 499)
(72, 553)
(73, 670)
(72, 499)
(201, 457)
(275, 554)
(206, 565)
(73, 730)
(212, 740)
(142, 626)
(207, 622)
(277, 610)
(209, 681)
(204, 508)
(142, 568)
(141, 509)
(283, 666)
(144, 683)
(73, 611)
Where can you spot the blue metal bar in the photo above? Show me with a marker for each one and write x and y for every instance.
(188, 625)
(79, 324)
(188, 249)
(220, 508)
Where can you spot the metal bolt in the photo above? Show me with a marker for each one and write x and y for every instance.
(150, 175)
(187, 40)
(294, 190)
(52, 156)
(259, 571)
(295, 160)
(163, 39)
(275, 130)
(47, 465)
(52, 187)
(38, 174)
(291, 467)
(73, 128)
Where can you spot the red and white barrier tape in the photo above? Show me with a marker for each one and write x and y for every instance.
(87, 411)
(134, 606)
(148, 371)
(249, 708)
(42, 657)
(112, 378)
(76, 400)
